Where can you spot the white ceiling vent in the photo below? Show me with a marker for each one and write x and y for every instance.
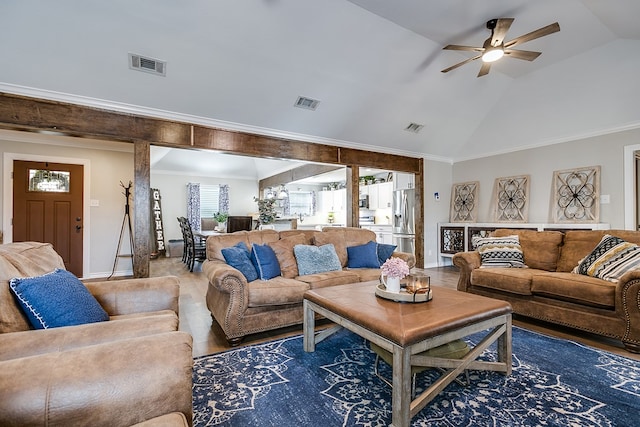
(148, 65)
(307, 103)
(414, 127)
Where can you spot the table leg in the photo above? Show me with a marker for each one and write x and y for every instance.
(401, 392)
(504, 346)
(308, 328)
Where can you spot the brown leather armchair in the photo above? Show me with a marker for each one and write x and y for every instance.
(134, 368)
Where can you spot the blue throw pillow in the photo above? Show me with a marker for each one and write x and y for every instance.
(56, 299)
(385, 251)
(238, 257)
(265, 261)
(316, 259)
(363, 256)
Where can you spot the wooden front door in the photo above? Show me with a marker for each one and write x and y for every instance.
(47, 207)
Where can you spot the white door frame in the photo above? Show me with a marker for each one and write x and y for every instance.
(630, 201)
(7, 200)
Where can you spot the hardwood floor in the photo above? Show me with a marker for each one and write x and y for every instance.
(208, 338)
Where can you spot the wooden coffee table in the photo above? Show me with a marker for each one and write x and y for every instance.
(406, 329)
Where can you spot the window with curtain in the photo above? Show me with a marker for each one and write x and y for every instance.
(301, 203)
(209, 200)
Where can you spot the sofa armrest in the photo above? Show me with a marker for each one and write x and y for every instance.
(131, 296)
(628, 308)
(410, 259)
(467, 262)
(225, 278)
(116, 384)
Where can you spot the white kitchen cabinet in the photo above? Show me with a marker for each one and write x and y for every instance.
(333, 200)
(383, 233)
(385, 195)
(402, 181)
(380, 195)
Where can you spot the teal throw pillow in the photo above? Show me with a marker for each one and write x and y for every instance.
(56, 299)
(385, 251)
(363, 256)
(316, 259)
(265, 261)
(238, 257)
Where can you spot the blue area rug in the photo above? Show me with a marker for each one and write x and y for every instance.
(554, 383)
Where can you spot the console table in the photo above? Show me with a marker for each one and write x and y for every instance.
(457, 236)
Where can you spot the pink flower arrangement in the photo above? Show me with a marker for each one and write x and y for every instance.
(395, 267)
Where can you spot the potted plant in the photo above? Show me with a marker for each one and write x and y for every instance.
(221, 219)
(266, 210)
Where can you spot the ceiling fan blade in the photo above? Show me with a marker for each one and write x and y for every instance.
(527, 55)
(484, 70)
(459, 47)
(500, 31)
(541, 32)
(459, 64)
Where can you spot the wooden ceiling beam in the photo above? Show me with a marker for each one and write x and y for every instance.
(295, 174)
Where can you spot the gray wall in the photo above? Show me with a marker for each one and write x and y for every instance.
(607, 151)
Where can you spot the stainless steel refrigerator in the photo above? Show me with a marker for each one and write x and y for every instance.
(403, 231)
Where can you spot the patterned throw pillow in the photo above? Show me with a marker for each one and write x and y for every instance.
(316, 259)
(499, 251)
(57, 299)
(610, 260)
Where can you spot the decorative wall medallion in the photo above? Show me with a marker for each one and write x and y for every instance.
(576, 195)
(511, 199)
(464, 202)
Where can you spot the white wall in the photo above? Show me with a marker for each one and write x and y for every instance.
(173, 190)
(607, 151)
(109, 163)
(437, 179)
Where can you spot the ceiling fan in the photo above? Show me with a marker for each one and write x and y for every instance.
(495, 47)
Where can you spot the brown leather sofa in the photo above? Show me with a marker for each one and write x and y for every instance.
(242, 308)
(549, 291)
(134, 368)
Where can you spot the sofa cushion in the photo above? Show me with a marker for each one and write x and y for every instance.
(283, 249)
(331, 278)
(316, 259)
(367, 274)
(338, 242)
(540, 249)
(577, 244)
(513, 280)
(277, 291)
(610, 260)
(499, 251)
(57, 299)
(239, 257)
(385, 251)
(265, 261)
(576, 288)
(363, 256)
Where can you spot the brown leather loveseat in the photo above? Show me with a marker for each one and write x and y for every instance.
(134, 368)
(548, 289)
(242, 308)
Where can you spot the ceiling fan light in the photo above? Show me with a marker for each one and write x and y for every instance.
(492, 54)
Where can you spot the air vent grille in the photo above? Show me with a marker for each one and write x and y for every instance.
(306, 103)
(414, 127)
(148, 65)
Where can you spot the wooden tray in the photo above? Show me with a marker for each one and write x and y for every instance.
(403, 295)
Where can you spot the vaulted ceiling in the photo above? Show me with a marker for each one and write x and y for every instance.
(374, 65)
